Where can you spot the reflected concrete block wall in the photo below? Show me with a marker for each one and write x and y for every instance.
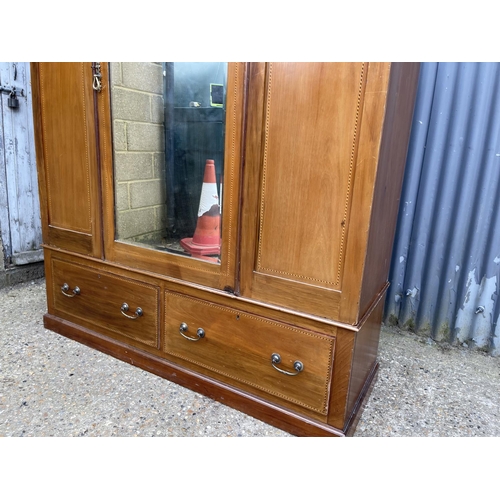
(138, 146)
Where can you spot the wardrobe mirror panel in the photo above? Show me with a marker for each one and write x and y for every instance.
(168, 121)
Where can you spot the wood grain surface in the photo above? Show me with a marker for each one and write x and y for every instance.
(63, 102)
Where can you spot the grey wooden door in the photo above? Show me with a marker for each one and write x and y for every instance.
(20, 227)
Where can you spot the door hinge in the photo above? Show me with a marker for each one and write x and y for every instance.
(97, 77)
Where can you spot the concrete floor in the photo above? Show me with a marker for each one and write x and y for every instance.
(52, 386)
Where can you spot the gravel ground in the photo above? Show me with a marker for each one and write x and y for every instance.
(430, 389)
(52, 386)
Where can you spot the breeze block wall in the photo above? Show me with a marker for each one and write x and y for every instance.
(139, 150)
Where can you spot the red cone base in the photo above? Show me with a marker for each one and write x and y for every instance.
(206, 238)
(194, 249)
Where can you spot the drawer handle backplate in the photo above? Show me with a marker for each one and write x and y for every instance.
(200, 333)
(65, 288)
(297, 365)
(124, 308)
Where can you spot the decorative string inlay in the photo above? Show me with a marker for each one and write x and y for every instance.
(88, 318)
(87, 162)
(296, 331)
(348, 192)
(351, 168)
(44, 129)
(264, 166)
(233, 149)
(103, 116)
(46, 156)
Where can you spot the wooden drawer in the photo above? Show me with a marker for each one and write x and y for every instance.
(240, 345)
(99, 300)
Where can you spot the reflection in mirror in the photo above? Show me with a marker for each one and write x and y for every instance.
(168, 145)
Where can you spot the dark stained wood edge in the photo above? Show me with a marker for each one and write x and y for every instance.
(401, 96)
(364, 397)
(355, 357)
(94, 167)
(339, 389)
(237, 278)
(234, 132)
(104, 142)
(369, 132)
(49, 284)
(40, 159)
(100, 226)
(251, 405)
(364, 355)
(254, 134)
(372, 305)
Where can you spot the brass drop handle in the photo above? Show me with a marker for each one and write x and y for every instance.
(200, 333)
(297, 365)
(65, 288)
(124, 308)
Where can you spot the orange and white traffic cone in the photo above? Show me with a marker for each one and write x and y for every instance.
(206, 238)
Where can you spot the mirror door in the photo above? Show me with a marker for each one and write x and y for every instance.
(170, 135)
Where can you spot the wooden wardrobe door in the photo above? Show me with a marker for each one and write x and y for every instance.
(63, 107)
(302, 164)
(150, 257)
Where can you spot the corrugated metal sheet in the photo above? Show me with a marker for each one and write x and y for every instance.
(446, 260)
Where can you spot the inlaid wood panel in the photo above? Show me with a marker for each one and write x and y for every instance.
(314, 182)
(310, 130)
(94, 299)
(301, 171)
(238, 345)
(67, 156)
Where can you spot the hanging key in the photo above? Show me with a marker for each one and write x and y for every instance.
(97, 81)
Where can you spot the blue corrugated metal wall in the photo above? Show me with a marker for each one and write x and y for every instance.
(445, 266)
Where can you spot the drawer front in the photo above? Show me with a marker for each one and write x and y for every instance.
(98, 300)
(240, 346)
